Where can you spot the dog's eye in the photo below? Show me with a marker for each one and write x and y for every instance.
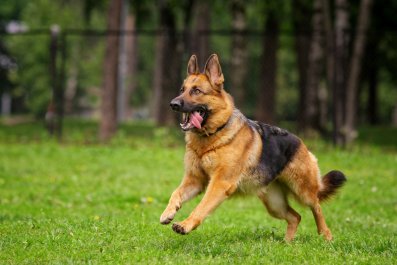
(182, 90)
(195, 91)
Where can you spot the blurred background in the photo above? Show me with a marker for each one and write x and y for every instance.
(318, 67)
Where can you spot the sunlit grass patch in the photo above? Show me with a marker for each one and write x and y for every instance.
(91, 203)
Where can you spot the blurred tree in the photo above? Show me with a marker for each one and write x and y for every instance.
(371, 66)
(167, 65)
(354, 70)
(11, 10)
(7, 64)
(131, 43)
(200, 37)
(380, 64)
(11, 100)
(341, 55)
(80, 54)
(239, 52)
(32, 79)
(301, 19)
(89, 6)
(312, 111)
(265, 108)
(108, 124)
(329, 42)
(54, 113)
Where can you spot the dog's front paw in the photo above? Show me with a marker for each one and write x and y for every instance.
(167, 217)
(180, 229)
(165, 220)
(186, 226)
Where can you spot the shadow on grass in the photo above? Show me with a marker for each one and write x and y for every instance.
(204, 241)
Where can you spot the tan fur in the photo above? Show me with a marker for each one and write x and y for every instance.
(222, 161)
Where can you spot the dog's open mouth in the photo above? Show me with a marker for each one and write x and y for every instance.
(193, 119)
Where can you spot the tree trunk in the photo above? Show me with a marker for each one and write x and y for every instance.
(354, 70)
(341, 44)
(265, 109)
(238, 69)
(311, 114)
(371, 66)
(122, 67)
(108, 125)
(330, 54)
(330, 43)
(302, 27)
(71, 86)
(131, 42)
(52, 120)
(200, 39)
(394, 116)
(158, 76)
(167, 67)
(372, 104)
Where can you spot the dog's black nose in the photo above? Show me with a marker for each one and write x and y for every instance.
(176, 104)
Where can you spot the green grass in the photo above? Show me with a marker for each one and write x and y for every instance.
(81, 202)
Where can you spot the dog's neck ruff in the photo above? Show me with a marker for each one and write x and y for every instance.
(217, 130)
(236, 114)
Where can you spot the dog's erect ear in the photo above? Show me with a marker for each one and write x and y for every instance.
(214, 71)
(192, 66)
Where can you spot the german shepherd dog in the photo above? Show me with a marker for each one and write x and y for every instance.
(227, 152)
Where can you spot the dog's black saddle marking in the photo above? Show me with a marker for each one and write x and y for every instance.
(278, 148)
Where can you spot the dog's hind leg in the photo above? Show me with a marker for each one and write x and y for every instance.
(276, 202)
(308, 196)
(322, 227)
(302, 177)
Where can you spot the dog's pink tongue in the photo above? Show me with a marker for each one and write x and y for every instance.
(196, 119)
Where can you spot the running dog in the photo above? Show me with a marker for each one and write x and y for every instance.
(227, 152)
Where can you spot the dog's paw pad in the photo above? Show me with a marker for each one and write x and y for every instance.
(165, 221)
(328, 236)
(166, 218)
(179, 229)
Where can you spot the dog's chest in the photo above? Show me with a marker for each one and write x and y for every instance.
(204, 164)
(209, 162)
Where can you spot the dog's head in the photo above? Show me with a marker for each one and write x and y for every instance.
(202, 100)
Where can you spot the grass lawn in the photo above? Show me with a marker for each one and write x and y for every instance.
(84, 203)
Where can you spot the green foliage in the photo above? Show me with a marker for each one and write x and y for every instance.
(33, 82)
(84, 203)
(145, 71)
(387, 95)
(32, 52)
(10, 10)
(85, 53)
(287, 80)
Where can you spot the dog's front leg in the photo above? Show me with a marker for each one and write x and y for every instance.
(188, 189)
(217, 192)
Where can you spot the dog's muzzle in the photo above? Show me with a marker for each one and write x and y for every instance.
(176, 104)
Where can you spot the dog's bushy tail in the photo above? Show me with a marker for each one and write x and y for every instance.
(332, 181)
